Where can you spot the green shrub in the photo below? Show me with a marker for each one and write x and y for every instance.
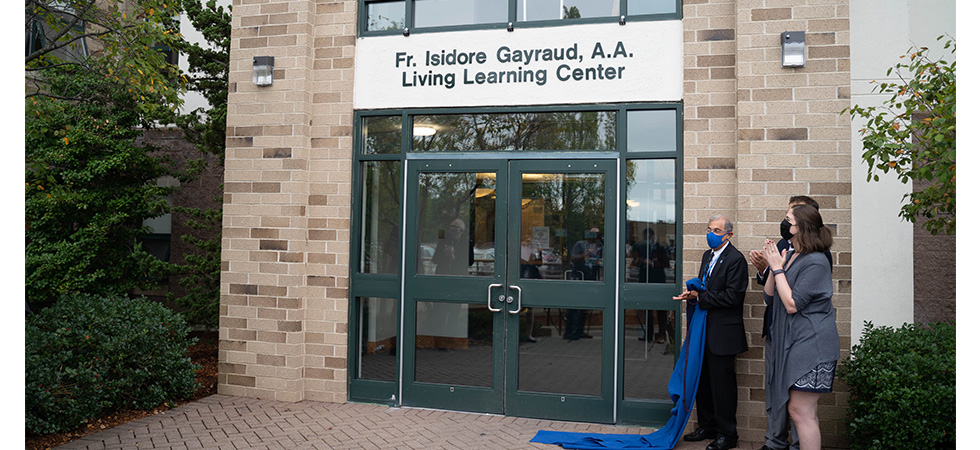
(902, 386)
(88, 355)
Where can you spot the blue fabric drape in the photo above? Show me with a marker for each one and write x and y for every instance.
(683, 387)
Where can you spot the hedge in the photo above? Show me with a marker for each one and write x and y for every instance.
(88, 355)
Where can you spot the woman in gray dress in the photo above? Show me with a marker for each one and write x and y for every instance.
(804, 339)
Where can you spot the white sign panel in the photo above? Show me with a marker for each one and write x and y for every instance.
(591, 63)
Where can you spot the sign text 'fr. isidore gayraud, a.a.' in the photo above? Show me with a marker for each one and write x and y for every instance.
(444, 66)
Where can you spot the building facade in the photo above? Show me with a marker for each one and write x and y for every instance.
(487, 206)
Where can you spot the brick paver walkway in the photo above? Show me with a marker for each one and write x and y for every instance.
(234, 423)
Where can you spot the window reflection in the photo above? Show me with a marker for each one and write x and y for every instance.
(651, 240)
(555, 365)
(639, 7)
(382, 135)
(648, 353)
(562, 226)
(528, 10)
(385, 15)
(591, 130)
(377, 324)
(435, 13)
(651, 131)
(456, 223)
(381, 195)
(454, 343)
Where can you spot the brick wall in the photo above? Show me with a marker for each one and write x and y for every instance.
(934, 274)
(287, 196)
(757, 133)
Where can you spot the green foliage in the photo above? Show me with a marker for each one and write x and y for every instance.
(205, 127)
(89, 186)
(201, 274)
(124, 34)
(903, 388)
(914, 134)
(88, 355)
(208, 67)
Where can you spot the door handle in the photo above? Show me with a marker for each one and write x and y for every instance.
(509, 299)
(489, 299)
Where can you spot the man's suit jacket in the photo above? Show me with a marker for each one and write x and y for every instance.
(723, 299)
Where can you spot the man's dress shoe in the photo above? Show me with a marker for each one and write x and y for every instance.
(699, 435)
(722, 443)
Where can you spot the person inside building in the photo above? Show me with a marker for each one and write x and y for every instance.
(778, 438)
(586, 258)
(454, 253)
(530, 260)
(719, 290)
(652, 258)
(803, 337)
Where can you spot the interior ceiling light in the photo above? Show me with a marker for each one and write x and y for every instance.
(422, 131)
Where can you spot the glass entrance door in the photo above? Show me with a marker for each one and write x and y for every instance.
(510, 288)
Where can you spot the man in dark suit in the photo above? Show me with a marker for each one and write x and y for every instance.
(725, 276)
(778, 439)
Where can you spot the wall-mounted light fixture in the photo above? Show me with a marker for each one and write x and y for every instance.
(262, 70)
(794, 48)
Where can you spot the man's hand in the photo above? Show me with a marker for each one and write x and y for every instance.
(758, 260)
(687, 295)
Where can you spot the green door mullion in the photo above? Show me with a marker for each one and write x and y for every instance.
(450, 289)
(566, 294)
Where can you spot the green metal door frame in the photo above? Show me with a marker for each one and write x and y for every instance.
(595, 295)
(627, 296)
(450, 289)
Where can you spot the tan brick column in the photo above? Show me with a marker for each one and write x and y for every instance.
(792, 140)
(284, 243)
(710, 175)
(709, 121)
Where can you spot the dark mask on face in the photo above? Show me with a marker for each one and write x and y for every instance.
(784, 227)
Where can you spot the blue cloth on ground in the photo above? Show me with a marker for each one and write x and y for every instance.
(683, 387)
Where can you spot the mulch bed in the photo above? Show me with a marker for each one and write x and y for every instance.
(204, 353)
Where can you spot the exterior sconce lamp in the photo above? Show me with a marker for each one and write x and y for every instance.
(262, 70)
(793, 46)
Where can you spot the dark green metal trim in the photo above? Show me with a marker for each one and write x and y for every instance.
(634, 296)
(512, 17)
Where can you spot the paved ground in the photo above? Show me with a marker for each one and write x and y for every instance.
(234, 423)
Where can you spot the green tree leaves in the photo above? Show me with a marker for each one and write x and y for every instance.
(914, 134)
(89, 185)
(95, 81)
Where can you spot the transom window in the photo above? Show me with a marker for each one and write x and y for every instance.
(389, 17)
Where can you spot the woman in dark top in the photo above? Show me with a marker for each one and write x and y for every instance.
(803, 333)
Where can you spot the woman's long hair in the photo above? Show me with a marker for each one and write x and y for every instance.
(812, 235)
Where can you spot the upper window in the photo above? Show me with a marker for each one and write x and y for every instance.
(383, 16)
(531, 131)
(528, 10)
(388, 17)
(441, 13)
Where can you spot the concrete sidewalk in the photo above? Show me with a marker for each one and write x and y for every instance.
(227, 422)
